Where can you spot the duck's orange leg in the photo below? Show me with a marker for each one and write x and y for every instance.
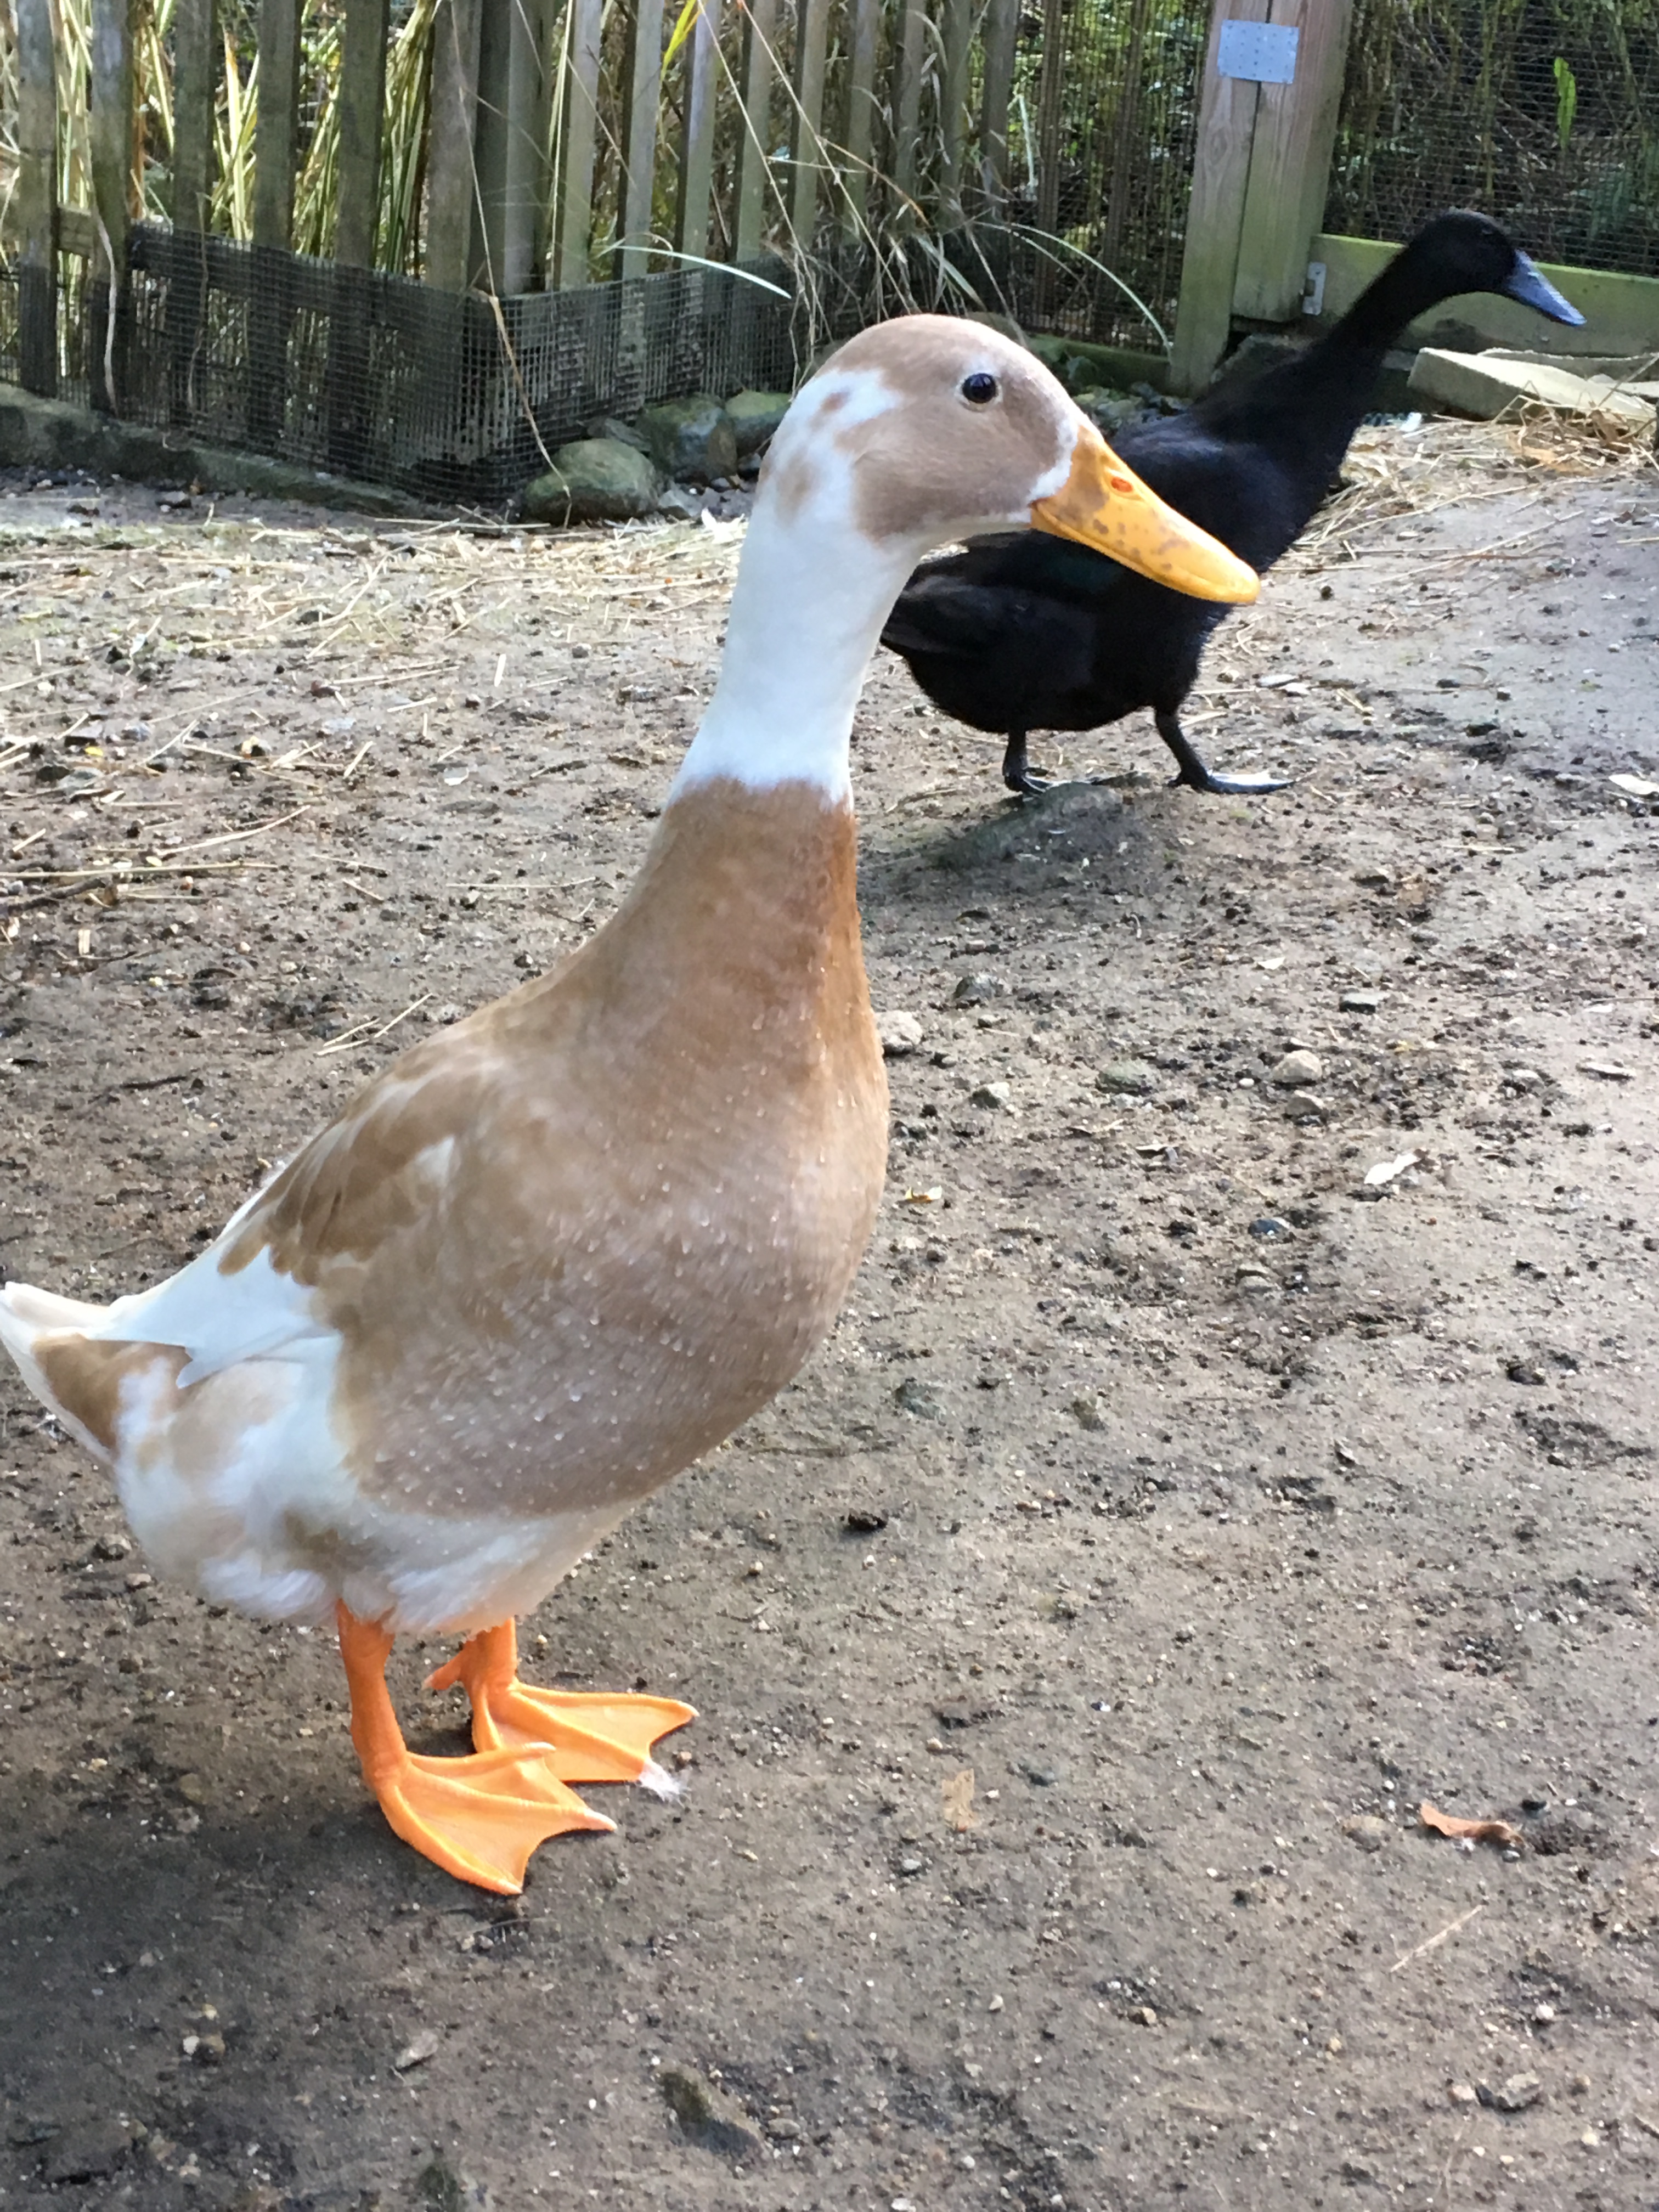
(478, 1818)
(588, 1736)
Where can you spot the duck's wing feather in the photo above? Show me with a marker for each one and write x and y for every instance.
(342, 1200)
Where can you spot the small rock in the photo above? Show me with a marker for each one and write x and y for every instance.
(975, 990)
(995, 1097)
(416, 2053)
(865, 1520)
(193, 1790)
(1522, 1370)
(692, 440)
(593, 480)
(908, 1867)
(1129, 1078)
(1268, 1227)
(1087, 1410)
(900, 1034)
(1543, 2014)
(1041, 1777)
(87, 2150)
(1518, 2092)
(1367, 1830)
(755, 416)
(1297, 1068)
(1144, 2014)
(113, 1547)
(1356, 2172)
(1460, 2093)
(625, 434)
(1607, 1070)
(1360, 1002)
(440, 2186)
(708, 2117)
(1523, 1078)
(915, 1396)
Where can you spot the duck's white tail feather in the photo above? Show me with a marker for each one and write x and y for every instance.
(26, 1315)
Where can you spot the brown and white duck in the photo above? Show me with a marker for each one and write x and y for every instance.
(550, 1256)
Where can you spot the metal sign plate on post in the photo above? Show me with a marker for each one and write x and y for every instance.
(1262, 53)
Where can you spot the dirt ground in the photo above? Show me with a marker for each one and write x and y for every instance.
(1206, 1471)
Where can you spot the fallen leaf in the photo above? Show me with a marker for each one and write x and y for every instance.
(923, 1197)
(1474, 1832)
(957, 1791)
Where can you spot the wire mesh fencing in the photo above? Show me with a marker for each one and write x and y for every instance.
(1544, 113)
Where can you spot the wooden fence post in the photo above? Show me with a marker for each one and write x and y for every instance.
(861, 112)
(581, 94)
(1291, 163)
(357, 207)
(111, 124)
(1215, 212)
(447, 263)
(193, 178)
(956, 32)
(511, 113)
(903, 165)
(1002, 34)
(702, 75)
(806, 133)
(754, 168)
(640, 141)
(276, 141)
(37, 200)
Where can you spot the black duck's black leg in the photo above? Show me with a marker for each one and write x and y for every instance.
(1015, 772)
(1197, 777)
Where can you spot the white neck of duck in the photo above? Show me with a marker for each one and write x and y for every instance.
(807, 611)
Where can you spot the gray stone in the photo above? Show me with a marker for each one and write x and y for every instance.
(593, 480)
(1297, 1068)
(625, 434)
(87, 2150)
(1367, 1830)
(975, 990)
(996, 1098)
(709, 2117)
(1088, 1412)
(900, 1034)
(755, 416)
(913, 1396)
(691, 440)
(1360, 1002)
(1127, 1079)
(1518, 2092)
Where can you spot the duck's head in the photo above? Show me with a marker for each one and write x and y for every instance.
(1462, 252)
(927, 430)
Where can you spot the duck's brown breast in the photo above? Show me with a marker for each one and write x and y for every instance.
(573, 1244)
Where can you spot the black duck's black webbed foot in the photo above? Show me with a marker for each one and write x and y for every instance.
(1016, 772)
(1196, 777)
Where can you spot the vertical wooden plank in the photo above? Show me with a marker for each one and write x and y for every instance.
(277, 134)
(639, 138)
(449, 191)
(511, 138)
(1215, 211)
(194, 77)
(580, 95)
(111, 124)
(362, 98)
(806, 139)
(362, 102)
(702, 75)
(904, 158)
(36, 199)
(1001, 30)
(860, 134)
(1050, 89)
(193, 84)
(754, 171)
(276, 139)
(955, 28)
(1290, 160)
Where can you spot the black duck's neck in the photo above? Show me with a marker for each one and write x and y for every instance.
(1407, 289)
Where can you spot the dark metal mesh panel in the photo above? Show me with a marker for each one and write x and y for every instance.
(1544, 113)
(1101, 158)
(378, 377)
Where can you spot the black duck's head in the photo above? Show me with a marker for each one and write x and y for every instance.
(1462, 252)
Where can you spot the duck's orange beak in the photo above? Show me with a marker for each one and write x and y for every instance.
(1103, 505)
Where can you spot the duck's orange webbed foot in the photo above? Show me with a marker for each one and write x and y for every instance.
(478, 1818)
(588, 1737)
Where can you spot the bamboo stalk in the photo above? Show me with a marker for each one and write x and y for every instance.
(36, 195)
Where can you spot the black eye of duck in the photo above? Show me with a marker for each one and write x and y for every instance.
(980, 388)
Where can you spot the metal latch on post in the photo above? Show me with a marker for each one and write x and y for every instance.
(1261, 54)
